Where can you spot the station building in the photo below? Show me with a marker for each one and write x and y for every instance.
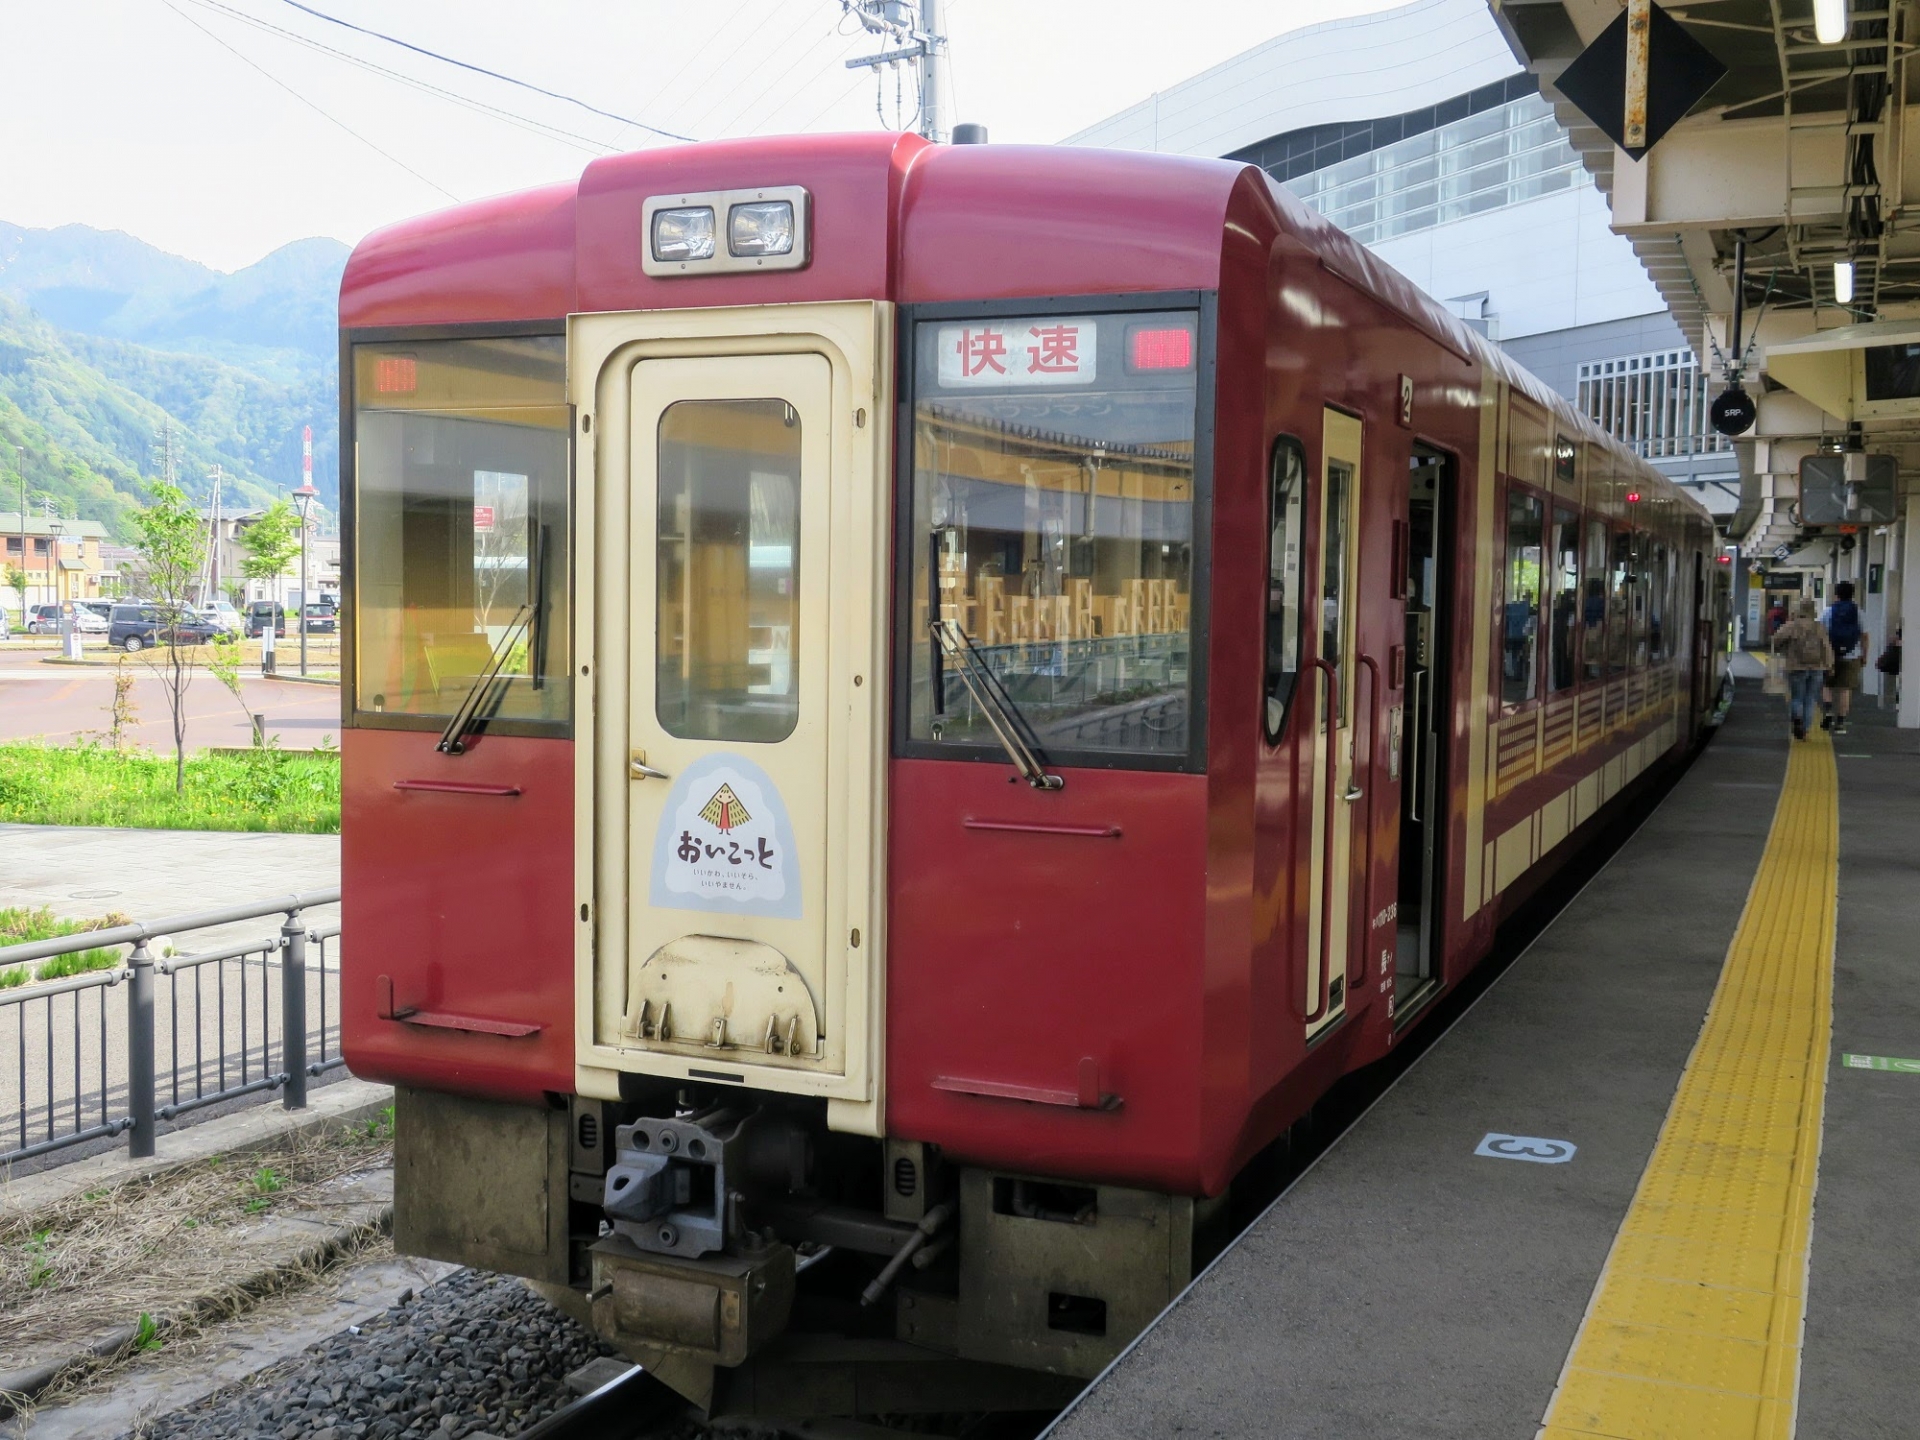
(1418, 133)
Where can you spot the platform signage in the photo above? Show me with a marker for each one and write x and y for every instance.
(1880, 1062)
(1525, 1147)
(1046, 350)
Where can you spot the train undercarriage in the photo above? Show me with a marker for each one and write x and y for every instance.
(765, 1267)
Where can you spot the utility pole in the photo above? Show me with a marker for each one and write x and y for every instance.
(902, 40)
(20, 465)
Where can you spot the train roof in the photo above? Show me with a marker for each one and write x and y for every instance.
(894, 217)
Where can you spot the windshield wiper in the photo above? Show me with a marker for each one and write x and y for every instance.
(1010, 727)
(488, 689)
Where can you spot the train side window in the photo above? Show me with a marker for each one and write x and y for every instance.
(1520, 623)
(1285, 505)
(1593, 603)
(1661, 580)
(1642, 594)
(1620, 604)
(1564, 630)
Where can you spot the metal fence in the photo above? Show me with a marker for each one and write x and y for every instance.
(193, 1029)
(1656, 403)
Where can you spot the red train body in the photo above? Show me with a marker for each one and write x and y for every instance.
(1130, 983)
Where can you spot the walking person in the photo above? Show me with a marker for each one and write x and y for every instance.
(1841, 621)
(1807, 655)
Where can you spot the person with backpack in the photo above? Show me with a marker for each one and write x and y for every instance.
(1806, 655)
(1841, 621)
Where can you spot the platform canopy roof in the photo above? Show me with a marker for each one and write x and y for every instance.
(1806, 152)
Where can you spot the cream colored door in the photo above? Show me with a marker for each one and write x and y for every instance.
(730, 607)
(1333, 790)
(728, 624)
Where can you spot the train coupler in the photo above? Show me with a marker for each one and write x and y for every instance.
(718, 1309)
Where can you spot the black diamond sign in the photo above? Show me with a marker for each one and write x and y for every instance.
(1680, 71)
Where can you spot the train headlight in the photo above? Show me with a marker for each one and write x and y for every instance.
(762, 227)
(683, 234)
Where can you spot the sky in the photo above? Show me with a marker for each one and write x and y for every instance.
(215, 129)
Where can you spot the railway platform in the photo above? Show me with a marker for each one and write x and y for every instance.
(1659, 1181)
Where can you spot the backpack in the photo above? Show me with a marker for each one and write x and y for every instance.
(1844, 628)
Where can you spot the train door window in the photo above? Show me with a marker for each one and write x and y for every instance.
(727, 570)
(1564, 623)
(1286, 497)
(460, 568)
(1333, 575)
(1423, 753)
(1620, 603)
(1593, 603)
(1520, 622)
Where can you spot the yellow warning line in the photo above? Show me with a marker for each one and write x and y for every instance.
(1693, 1332)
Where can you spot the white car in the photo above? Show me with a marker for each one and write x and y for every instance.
(222, 614)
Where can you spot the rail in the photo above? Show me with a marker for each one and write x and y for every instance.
(195, 1029)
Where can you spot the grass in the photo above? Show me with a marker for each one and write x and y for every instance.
(20, 926)
(288, 791)
(162, 1253)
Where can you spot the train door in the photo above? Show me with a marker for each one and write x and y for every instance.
(1333, 792)
(1422, 738)
(732, 598)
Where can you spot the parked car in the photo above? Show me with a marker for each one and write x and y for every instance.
(136, 627)
(43, 620)
(318, 620)
(262, 613)
(102, 608)
(223, 614)
(6, 626)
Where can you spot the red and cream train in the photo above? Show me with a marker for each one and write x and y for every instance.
(909, 708)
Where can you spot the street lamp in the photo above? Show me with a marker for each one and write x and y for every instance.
(56, 576)
(303, 498)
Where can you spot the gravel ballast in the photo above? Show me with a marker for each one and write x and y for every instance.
(474, 1353)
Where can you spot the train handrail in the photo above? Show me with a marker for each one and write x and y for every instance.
(1324, 999)
(1366, 884)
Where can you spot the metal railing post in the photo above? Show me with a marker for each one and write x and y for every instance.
(293, 1010)
(140, 1136)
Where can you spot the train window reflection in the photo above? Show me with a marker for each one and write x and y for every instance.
(1283, 579)
(1333, 567)
(1566, 598)
(1052, 526)
(1593, 603)
(1519, 682)
(1620, 637)
(460, 528)
(727, 572)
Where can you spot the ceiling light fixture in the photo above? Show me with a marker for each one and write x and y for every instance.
(1843, 282)
(1829, 21)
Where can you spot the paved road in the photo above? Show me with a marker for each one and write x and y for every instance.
(227, 1006)
(60, 703)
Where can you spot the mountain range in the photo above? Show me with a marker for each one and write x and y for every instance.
(110, 347)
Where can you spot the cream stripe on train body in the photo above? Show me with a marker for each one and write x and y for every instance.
(1694, 1328)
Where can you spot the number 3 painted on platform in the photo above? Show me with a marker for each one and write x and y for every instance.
(1526, 1147)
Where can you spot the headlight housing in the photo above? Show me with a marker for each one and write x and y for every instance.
(685, 233)
(760, 227)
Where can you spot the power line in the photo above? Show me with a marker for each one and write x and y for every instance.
(308, 103)
(773, 51)
(525, 122)
(482, 70)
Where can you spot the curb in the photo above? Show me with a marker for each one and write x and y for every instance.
(19, 1387)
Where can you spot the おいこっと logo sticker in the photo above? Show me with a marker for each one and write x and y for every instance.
(725, 843)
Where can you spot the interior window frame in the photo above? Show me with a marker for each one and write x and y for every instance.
(352, 716)
(907, 318)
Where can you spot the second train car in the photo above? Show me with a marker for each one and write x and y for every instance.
(908, 708)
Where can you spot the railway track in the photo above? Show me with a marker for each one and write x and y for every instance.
(627, 1407)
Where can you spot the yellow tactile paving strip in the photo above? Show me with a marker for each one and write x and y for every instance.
(1693, 1332)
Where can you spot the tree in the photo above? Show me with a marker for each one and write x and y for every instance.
(271, 543)
(172, 542)
(17, 582)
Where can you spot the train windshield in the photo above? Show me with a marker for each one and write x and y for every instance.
(1052, 533)
(460, 527)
